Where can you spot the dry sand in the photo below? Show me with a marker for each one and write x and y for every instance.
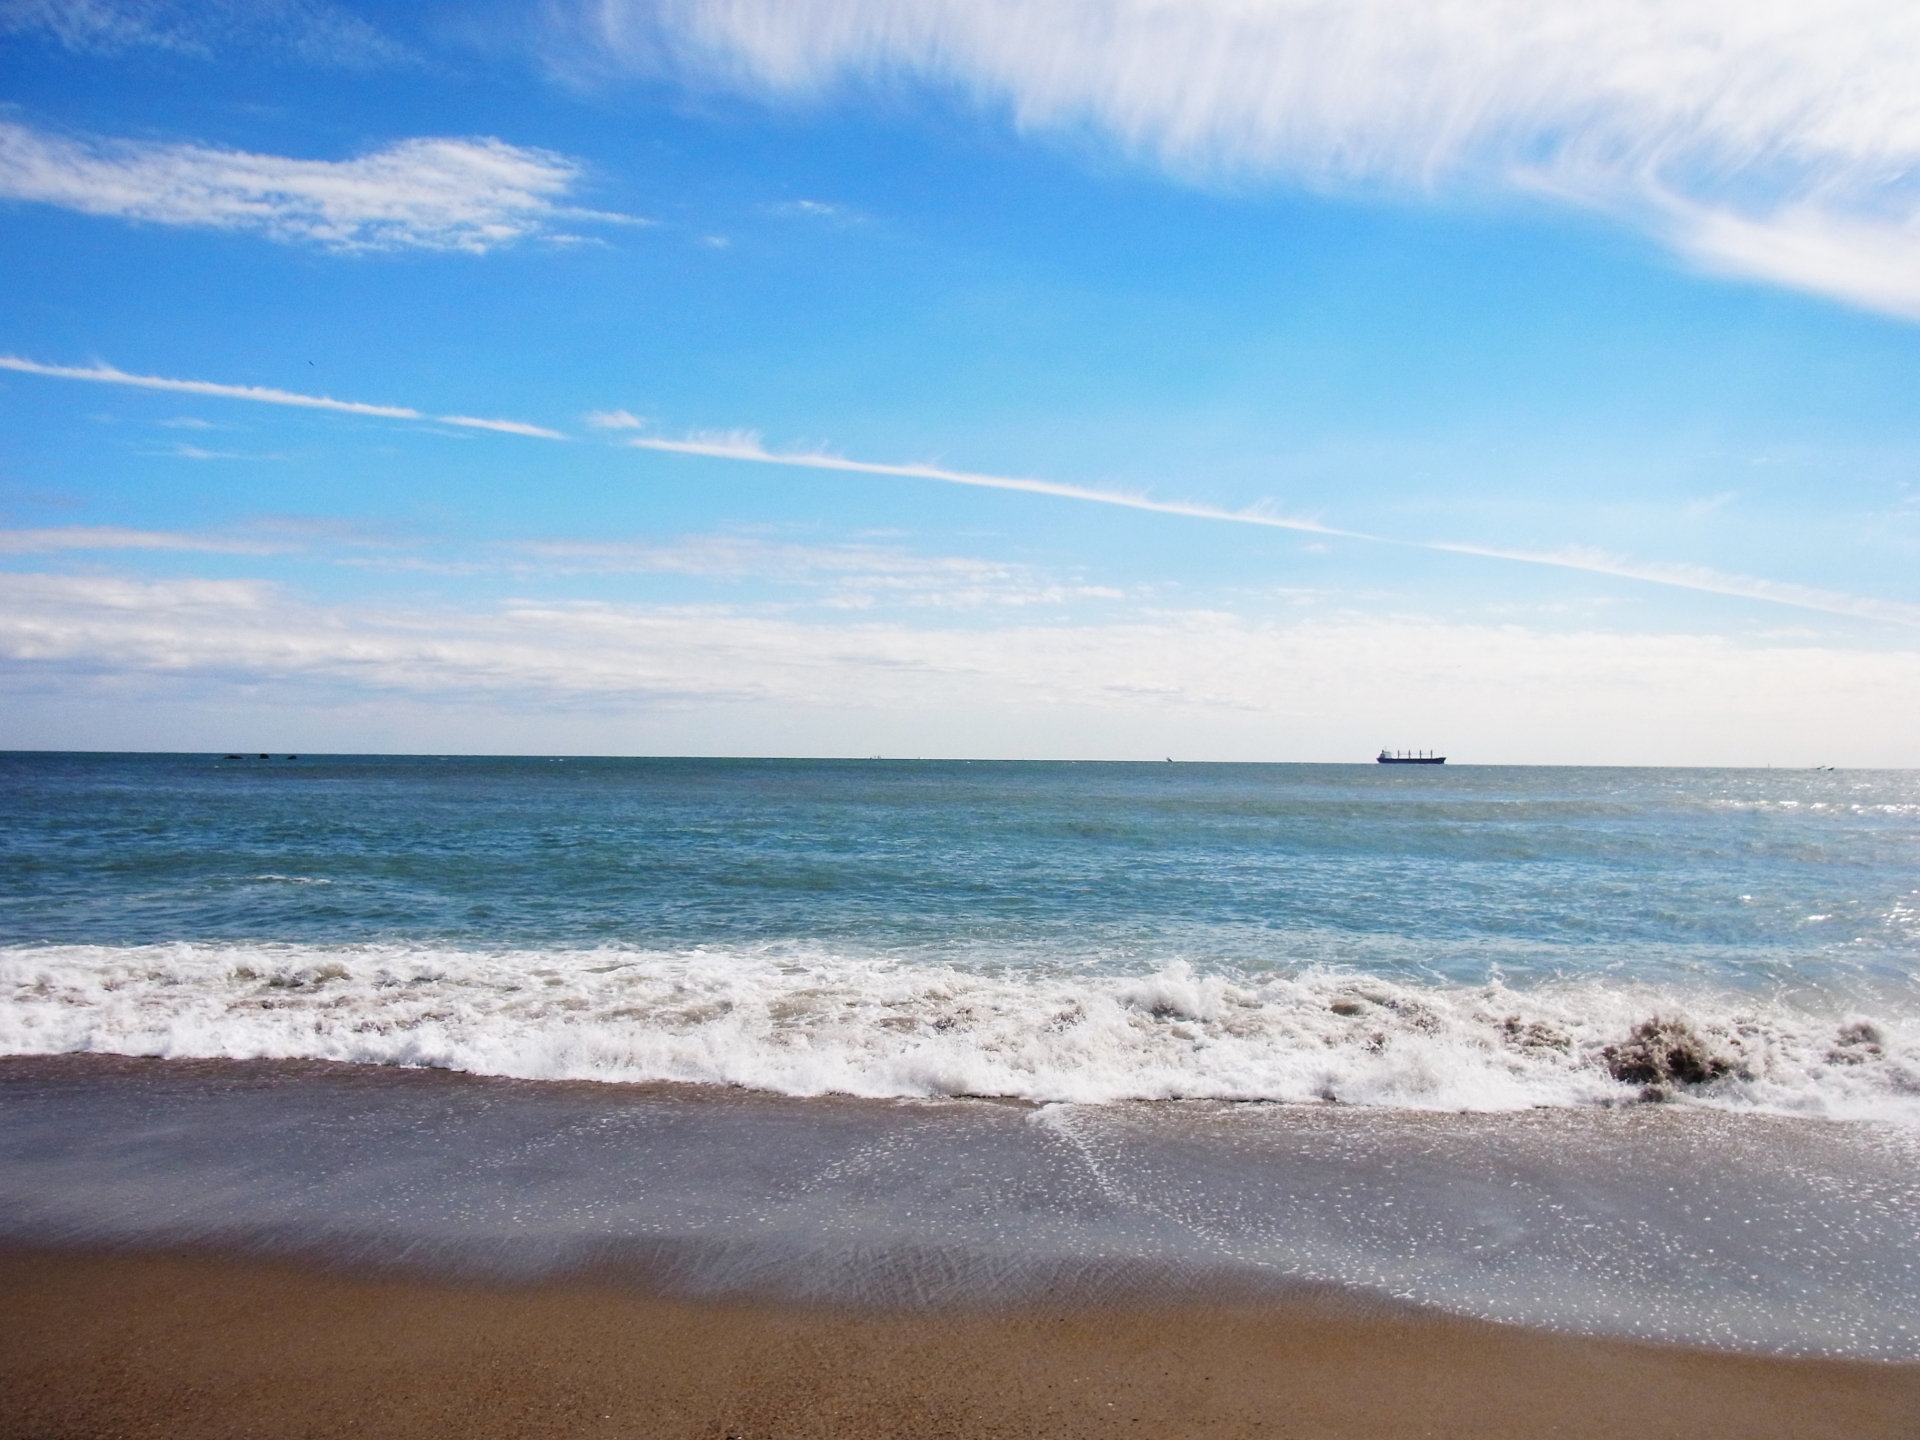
(99, 1346)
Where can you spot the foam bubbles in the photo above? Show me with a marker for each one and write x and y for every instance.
(805, 1021)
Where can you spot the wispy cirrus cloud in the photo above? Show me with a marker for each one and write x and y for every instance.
(306, 30)
(845, 576)
(746, 445)
(614, 420)
(1778, 141)
(200, 452)
(62, 538)
(265, 395)
(501, 427)
(434, 194)
(1700, 577)
(784, 577)
(742, 445)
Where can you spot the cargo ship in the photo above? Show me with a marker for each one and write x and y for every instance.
(1405, 757)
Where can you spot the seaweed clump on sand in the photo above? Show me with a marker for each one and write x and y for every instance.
(1661, 1054)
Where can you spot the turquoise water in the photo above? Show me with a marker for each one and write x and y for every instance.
(1438, 938)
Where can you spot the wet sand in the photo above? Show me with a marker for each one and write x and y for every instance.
(1680, 1227)
(177, 1345)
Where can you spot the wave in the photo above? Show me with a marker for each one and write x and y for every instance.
(804, 1021)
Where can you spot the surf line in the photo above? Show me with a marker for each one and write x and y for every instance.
(743, 445)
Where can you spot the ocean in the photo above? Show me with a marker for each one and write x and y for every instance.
(1609, 1050)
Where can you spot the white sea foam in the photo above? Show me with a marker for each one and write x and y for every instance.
(803, 1021)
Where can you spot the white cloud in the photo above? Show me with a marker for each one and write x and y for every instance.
(264, 395)
(503, 427)
(1703, 578)
(614, 420)
(850, 577)
(833, 577)
(117, 537)
(196, 452)
(1192, 684)
(746, 445)
(839, 216)
(1778, 139)
(435, 194)
(303, 29)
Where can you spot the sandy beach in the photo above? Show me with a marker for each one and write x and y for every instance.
(95, 1345)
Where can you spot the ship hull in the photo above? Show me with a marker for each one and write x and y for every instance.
(1410, 760)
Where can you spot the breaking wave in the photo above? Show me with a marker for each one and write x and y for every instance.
(803, 1021)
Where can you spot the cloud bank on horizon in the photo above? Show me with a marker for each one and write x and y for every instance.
(1774, 141)
(678, 681)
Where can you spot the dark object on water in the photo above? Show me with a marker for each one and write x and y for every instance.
(1660, 1053)
(265, 756)
(1401, 757)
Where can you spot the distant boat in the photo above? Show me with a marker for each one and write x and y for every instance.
(1403, 757)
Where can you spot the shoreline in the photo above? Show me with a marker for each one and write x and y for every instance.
(1754, 1236)
(176, 1344)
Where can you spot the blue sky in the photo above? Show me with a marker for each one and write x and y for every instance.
(1091, 378)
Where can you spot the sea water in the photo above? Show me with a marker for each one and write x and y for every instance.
(1635, 1051)
(1447, 938)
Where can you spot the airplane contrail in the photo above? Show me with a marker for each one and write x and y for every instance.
(746, 446)
(742, 445)
(266, 395)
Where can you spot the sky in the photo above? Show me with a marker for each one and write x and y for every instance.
(1265, 380)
